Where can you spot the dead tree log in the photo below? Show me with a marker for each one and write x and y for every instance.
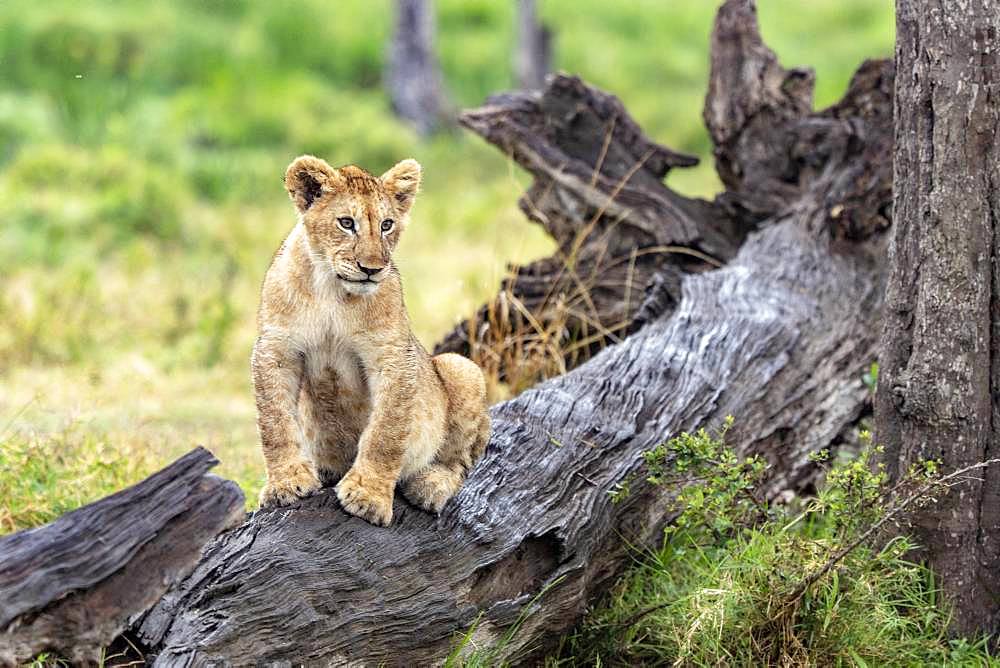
(777, 338)
(599, 192)
(71, 586)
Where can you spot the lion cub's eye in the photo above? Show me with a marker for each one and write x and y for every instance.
(387, 224)
(346, 222)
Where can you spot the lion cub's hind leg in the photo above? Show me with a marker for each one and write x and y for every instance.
(467, 430)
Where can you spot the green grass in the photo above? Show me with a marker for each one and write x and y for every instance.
(739, 582)
(44, 477)
(720, 605)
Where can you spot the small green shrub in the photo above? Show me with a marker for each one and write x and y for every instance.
(724, 497)
(741, 583)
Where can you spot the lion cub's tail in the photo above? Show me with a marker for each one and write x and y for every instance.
(482, 438)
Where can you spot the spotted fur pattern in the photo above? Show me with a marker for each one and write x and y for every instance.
(345, 393)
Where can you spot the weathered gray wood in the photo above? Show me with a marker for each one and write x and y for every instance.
(71, 586)
(777, 338)
(939, 380)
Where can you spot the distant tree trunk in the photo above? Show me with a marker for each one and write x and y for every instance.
(939, 384)
(413, 75)
(533, 57)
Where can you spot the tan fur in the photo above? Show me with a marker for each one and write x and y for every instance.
(344, 390)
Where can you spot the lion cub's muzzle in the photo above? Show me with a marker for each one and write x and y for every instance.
(363, 281)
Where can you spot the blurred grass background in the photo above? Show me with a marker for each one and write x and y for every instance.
(142, 147)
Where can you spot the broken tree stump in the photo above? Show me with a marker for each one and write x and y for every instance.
(621, 233)
(71, 586)
(598, 191)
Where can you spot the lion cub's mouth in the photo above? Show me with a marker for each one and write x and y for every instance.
(358, 286)
(360, 281)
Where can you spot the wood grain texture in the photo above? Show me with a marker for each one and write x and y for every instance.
(778, 338)
(72, 585)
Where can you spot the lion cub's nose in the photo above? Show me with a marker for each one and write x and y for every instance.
(369, 271)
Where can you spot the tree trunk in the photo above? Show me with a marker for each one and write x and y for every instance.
(939, 380)
(778, 338)
(533, 56)
(413, 76)
(72, 585)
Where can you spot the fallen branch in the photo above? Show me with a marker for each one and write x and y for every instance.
(71, 586)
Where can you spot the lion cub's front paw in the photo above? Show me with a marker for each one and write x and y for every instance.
(289, 484)
(366, 497)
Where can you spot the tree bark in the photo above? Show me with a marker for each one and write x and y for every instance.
(533, 55)
(939, 380)
(413, 76)
(778, 338)
(72, 585)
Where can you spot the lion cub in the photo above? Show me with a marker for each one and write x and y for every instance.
(344, 390)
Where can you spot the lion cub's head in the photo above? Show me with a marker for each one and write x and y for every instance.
(352, 219)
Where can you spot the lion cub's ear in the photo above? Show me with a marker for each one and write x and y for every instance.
(306, 179)
(403, 182)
